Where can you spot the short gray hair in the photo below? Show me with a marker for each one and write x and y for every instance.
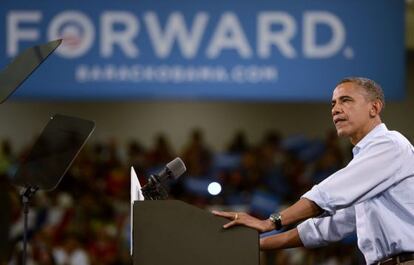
(373, 89)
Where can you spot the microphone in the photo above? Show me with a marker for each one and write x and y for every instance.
(156, 189)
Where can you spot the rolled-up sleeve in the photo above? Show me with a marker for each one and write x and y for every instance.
(316, 232)
(374, 169)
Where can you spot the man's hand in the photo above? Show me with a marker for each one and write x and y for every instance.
(245, 219)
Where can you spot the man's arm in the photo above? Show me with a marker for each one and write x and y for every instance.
(311, 233)
(301, 210)
(289, 239)
(368, 174)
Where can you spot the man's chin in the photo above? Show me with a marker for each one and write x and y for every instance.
(341, 132)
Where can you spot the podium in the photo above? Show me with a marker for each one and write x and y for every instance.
(176, 233)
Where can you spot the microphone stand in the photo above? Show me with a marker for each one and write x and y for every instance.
(154, 189)
(26, 195)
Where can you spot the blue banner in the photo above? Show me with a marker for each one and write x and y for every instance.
(285, 50)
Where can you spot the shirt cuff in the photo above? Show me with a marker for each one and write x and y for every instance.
(321, 199)
(310, 235)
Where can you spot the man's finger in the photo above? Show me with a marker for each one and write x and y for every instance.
(230, 224)
(224, 214)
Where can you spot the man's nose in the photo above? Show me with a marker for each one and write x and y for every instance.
(336, 110)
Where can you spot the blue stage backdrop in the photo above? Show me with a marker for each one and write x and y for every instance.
(284, 50)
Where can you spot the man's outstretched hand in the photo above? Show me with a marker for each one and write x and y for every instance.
(239, 218)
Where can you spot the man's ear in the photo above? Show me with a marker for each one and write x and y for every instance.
(376, 108)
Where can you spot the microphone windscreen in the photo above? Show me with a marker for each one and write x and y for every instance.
(176, 167)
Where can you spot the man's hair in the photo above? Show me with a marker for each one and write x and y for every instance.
(374, 90)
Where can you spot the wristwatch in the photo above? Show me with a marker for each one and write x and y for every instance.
(276, 218)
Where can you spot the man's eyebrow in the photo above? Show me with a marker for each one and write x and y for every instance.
(341, 98)
(345, 97)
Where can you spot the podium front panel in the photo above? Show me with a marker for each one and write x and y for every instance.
(175, 233)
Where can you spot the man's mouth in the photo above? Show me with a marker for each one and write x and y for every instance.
(339, 120)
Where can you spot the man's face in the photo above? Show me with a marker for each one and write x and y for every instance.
(351, 111)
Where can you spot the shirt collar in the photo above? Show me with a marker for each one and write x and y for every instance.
(380, 128)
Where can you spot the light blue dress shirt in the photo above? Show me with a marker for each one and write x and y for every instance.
(373, 195)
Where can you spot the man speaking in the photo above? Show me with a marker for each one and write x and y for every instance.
(372, 196)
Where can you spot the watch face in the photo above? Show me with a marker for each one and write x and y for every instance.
(276, 218)
(273, 217)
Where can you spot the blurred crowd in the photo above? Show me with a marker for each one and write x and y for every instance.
(86, 219)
